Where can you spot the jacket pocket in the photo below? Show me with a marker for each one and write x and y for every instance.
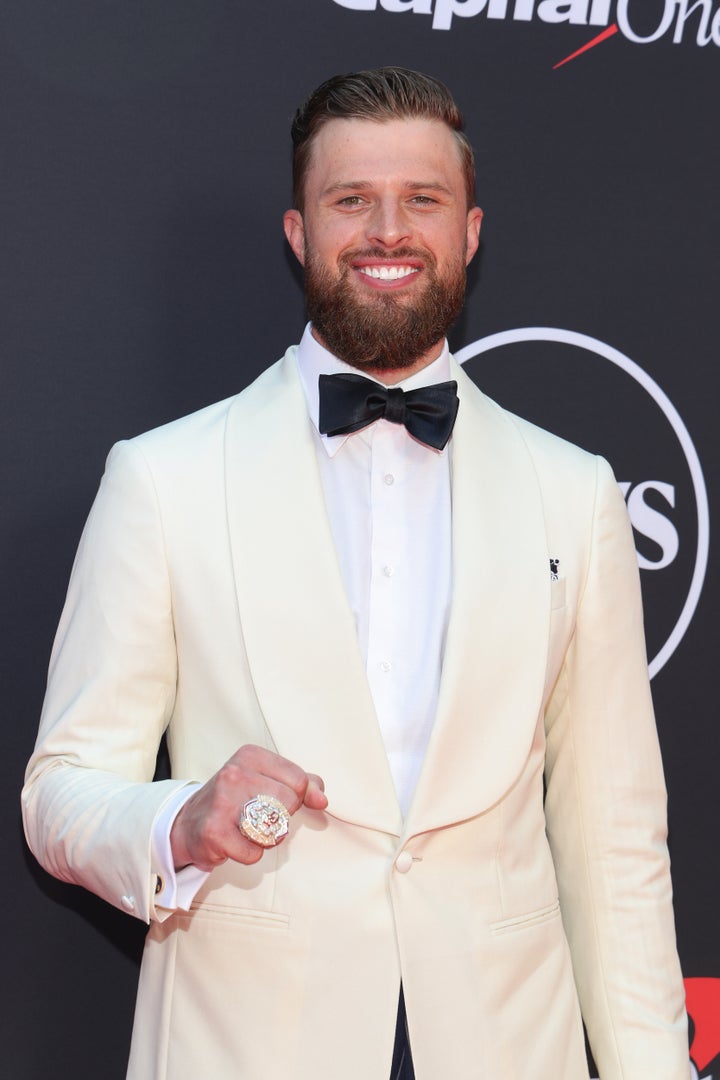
(530, 918)
(237, 916)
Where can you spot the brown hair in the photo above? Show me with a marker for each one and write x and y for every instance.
(387, 93)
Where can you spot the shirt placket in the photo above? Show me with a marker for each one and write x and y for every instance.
(385, 667)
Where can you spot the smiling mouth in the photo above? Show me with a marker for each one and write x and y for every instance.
(387, 273)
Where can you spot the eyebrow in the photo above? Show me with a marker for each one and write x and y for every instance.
(365, 185)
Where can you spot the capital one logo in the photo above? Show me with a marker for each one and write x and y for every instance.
(638, 428)
(640, 22)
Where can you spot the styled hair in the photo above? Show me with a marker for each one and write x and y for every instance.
(387, 93)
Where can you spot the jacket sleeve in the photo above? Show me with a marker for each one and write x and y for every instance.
(88, 800)
(606, 818)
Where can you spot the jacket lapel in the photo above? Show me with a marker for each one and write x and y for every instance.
(495, 656)
(297, 625)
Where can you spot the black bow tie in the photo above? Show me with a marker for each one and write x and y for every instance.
(351, 402)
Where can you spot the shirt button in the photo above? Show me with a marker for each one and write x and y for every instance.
(388, 571)
(403, 862)
(386, 666)
(389, 479)
(128, 902)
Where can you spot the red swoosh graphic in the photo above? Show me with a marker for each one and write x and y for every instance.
(703, 1004)
(611, 30)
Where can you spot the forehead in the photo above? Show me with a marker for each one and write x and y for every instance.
(413, 149)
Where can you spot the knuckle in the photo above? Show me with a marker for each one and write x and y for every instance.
(249, 753)
(231, 775)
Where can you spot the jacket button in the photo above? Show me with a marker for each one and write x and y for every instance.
(403, 862)
(128, 902)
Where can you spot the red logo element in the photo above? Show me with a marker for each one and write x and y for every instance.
(703, 1006)
(608, 33)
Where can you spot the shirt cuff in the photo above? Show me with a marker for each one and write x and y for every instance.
(173, 888)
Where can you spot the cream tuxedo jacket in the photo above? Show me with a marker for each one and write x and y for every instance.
(530, 879)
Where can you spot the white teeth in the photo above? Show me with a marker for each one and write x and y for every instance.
(387, 273)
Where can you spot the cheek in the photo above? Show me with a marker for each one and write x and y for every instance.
(446, 239)
(329, 244)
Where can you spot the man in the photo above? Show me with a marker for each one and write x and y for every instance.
(445, 628)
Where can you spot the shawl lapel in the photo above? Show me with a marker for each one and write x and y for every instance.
(495, 656)
(297, 624)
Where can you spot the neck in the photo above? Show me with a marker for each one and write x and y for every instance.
(389, 376)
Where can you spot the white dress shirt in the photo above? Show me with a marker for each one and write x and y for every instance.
(388, 499)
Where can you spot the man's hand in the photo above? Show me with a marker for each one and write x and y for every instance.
(206, 831)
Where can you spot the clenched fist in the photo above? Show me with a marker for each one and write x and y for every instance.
(206, 831)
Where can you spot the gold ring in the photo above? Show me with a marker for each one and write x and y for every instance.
(264, 820)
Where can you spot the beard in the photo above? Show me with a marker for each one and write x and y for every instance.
(384, 331)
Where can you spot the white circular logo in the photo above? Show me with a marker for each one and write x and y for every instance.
(606, 352)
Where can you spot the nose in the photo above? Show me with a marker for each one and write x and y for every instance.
(388, 224)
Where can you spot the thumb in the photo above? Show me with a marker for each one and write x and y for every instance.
(315, 797)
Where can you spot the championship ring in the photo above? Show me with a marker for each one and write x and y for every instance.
(264, 820)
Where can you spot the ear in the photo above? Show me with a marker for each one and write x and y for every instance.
(295, 233)
(474, 221)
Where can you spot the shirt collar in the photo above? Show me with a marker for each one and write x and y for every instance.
(313, 360)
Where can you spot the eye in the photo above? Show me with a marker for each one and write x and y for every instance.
(423, 200)
(351, 200)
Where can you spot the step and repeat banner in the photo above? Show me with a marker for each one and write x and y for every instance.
(145, 169)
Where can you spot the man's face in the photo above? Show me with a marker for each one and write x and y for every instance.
(384, 236)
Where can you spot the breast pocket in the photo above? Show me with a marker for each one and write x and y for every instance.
(557, 594)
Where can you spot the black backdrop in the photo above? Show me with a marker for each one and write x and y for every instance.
(144, 167)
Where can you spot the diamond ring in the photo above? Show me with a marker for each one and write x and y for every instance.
(264, 820)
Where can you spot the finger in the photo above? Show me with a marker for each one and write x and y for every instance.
(235, 847)
(315, 797)
(311, 794)
(281, 778)
(316, 780)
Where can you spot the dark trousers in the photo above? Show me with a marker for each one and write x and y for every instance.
(402, 1066)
